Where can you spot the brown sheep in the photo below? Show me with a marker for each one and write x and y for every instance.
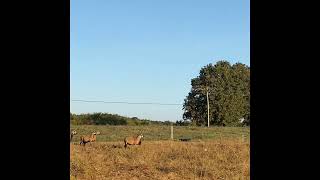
(89, 138)
(72, 134)
(133, 140)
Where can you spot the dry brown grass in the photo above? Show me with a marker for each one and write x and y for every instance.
(212, 159)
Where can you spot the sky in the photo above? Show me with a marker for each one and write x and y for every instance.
(149, 50)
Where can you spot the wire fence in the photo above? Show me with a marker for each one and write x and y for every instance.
(124, 102)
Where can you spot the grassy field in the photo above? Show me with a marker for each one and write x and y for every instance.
(117, 133)
(213, 153)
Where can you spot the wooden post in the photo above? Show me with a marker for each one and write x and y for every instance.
(171, 132)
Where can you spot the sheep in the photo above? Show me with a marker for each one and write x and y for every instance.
(72, 134)
(133, 140)
(89, 138)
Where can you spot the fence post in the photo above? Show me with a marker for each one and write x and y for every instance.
(171, 132)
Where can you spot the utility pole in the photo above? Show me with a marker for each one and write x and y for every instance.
(208, 107)
(208, 104)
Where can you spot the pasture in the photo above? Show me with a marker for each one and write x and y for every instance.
(213, 153)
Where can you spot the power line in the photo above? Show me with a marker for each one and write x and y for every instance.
(109, 102)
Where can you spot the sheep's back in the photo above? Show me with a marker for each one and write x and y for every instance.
(130, 139)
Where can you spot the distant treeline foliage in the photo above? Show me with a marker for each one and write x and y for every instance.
(229, 95)
(111, 119)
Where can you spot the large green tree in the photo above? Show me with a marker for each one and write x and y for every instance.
(229, 95)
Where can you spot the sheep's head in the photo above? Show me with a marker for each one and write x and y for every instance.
(140, 136)
(74, 132)
(95, 133)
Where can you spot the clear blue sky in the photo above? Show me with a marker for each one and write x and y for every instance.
(149, 50)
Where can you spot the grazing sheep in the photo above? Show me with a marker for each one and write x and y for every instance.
(89, 138)
(133, 140)
(72, 134)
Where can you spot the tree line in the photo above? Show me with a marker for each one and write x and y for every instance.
(110, 119)
(228, 87)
